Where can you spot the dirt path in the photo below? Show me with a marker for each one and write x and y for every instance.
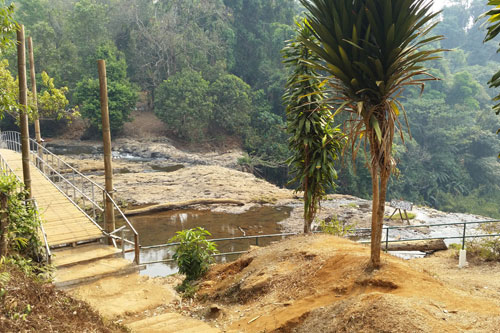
(142, 304)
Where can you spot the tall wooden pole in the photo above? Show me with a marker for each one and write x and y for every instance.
(38, 135)
(109, 220)
(23, 100)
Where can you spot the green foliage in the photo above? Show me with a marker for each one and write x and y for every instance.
(184, 105)
(314, 141)
(52, 101)
(493, 30)
(122, 95)
(372, 50)
(22, 235)
(232, 104)
(487, 248)
(194, 253)
(8, 90)
(8, 26)
(336, 227)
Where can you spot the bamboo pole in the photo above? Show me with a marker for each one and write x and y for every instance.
(23, 101)
(38, 135)
(109, 219)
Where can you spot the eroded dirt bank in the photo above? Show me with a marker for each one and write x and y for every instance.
(322, 283)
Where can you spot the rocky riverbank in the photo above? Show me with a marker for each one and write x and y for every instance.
(155, 172)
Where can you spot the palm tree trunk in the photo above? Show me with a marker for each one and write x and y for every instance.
(307, 204)
(375, 238)
(380, 179)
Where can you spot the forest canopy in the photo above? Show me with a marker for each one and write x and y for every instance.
(212, 69)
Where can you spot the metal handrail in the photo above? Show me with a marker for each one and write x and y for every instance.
(42, 230)
(51, 166)
(256, 237)
(131, 227)
(387, 228)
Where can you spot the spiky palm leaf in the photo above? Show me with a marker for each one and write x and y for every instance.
(493, 31)
(373, 49)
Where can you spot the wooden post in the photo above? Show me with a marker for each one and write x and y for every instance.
(38, 135)
(109, 218)
(23, 100)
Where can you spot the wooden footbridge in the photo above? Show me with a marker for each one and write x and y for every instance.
(70, 204)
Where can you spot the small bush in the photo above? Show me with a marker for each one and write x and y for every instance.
(487, 248)
(193, 255)
(336, 227)
(22, 233)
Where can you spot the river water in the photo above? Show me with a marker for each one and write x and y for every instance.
(158, 228)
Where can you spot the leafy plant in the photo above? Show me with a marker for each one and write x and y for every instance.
(372, 50)
(487, 248)
(314, 141)
(493, 30)
(336, 227)
(22, 233)
(194, 253)
(184, 104)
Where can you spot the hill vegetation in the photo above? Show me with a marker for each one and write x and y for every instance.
(212, 69)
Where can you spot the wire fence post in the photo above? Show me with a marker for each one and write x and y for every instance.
(386, 239)
(463, 237)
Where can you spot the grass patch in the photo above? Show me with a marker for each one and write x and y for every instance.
(396, 216)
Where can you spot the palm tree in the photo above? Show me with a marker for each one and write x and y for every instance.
(493, 31)
(373, 49)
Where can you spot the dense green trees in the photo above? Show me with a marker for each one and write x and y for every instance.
(183, 103)
(234, 46)
(122, 95)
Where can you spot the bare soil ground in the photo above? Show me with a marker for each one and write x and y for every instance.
(45, 308)
(322, 283)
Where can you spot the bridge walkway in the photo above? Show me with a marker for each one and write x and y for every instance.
(63, 222)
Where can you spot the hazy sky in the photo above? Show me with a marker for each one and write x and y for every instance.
(438, 4)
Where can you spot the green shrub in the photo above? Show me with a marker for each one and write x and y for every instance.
(194, 254)
(22, 233)
(336, 227)
(487, 248)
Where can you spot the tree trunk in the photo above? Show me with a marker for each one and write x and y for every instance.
(375, 238)
(381, 171)
(4, 225)
(307, 204)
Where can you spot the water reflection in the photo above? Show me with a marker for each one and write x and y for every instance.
(158, 228)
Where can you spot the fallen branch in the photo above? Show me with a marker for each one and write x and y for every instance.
(421, 245)
(182, 204)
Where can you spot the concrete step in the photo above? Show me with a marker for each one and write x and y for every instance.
(83, 254)
(75, 275)
(171, 323)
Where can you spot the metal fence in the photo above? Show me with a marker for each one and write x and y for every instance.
(88, 196)
(463, 236)
(386, 232)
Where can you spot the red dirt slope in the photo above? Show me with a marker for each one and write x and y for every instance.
(322, 283)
